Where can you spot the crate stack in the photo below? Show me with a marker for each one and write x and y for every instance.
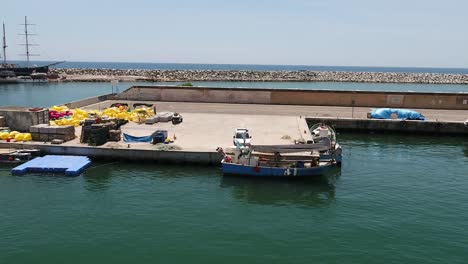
(44, 132)
(2, 122)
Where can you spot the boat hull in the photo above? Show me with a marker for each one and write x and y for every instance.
(26, 71)
(337, 158)
(247, 170)
(8, 80)
(32, 81)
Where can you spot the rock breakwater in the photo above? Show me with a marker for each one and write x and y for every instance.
(256, 76)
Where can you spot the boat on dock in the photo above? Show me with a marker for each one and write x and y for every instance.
(323, 139)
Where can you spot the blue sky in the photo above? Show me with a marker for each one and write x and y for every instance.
(430, 33)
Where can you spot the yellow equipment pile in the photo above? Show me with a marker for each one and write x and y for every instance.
(79, 115)
(17, 136)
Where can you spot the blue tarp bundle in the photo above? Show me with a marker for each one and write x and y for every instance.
(129, 138)
(386, 113)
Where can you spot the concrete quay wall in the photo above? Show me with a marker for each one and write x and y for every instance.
(451, 101)
(130, 154)
(394, 126)
(88, 101)
(21, 118)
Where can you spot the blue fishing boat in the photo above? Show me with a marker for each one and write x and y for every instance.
(298, 160)
(320, 169)
(314, 158)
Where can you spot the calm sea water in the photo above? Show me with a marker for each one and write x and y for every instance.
(249, 67)
(44, 95)
(397, 199)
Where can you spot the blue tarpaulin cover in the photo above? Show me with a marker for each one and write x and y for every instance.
(386, 113)
(130, 138)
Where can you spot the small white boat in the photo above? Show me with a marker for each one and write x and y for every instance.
(33, 78)
(17, 156)
(7, 77)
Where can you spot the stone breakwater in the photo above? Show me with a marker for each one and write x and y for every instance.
(255, 76)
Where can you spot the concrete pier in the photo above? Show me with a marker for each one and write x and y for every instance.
(394, 126)
(130, 154)
(373, 99)
(210, 124)
(438, 122)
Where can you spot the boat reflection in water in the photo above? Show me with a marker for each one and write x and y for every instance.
(302, 192)
(98, 177)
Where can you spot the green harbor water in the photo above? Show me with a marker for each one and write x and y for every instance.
(396, 199)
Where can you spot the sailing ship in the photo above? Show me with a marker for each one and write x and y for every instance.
(16, 69)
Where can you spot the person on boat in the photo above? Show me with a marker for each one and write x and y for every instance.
(277, 158)
(314, 162)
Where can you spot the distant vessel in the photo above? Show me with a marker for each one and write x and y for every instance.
(8, 77)
(28, 70)
(36, 77)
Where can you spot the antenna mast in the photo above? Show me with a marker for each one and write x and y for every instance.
(27, 41)
(4, 45)
(27, 44)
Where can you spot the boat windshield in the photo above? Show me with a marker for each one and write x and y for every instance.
(242, 135)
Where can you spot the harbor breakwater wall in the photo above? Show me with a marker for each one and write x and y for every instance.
(100, 75)
(393, 126)
(451, 101)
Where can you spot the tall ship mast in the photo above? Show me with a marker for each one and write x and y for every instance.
(28, 70)
(4, 46)
(27, 43)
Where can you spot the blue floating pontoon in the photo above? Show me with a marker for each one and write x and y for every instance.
(70, 165)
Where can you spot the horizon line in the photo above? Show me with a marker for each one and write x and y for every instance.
(247, 64)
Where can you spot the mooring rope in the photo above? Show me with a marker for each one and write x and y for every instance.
(110, 163)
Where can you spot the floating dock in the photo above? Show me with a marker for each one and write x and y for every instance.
(69, 165)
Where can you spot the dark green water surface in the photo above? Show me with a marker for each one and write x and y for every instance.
(397, 199)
